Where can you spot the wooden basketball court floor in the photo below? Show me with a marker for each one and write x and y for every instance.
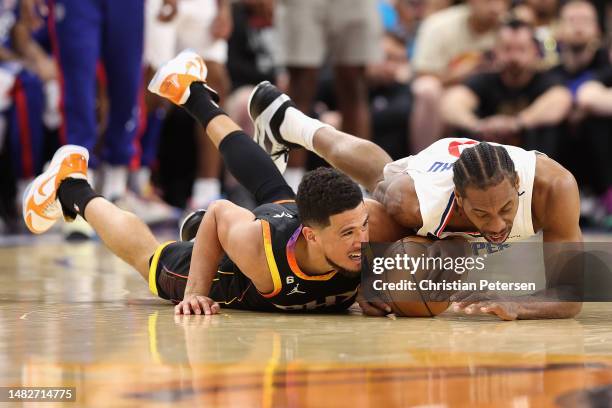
(73, 315)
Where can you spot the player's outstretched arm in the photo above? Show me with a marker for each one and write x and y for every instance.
(562, 257)
(562, 248)
(225, 229)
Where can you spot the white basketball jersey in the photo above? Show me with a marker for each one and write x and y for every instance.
(432, 172)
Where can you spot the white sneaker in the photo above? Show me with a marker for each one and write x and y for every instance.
(41, 208)
(173, 79)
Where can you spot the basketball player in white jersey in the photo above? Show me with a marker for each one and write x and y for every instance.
(480, 191)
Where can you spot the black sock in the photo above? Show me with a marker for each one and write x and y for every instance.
(74, 195)
(200, 104)
(254, 169)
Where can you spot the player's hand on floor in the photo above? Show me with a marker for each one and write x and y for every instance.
(478, 303)
(505, 310)
(373, 308)
(462, 299)
(197, 304)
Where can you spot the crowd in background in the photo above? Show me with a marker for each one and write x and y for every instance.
(403, 73)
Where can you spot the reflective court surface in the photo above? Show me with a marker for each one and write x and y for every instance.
(73, 315)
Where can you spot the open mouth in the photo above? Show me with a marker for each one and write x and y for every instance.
(355, 257)
(497, 238)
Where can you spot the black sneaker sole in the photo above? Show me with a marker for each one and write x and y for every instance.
(190, 225)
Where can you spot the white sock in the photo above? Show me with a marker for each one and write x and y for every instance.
(204, 191)
(141, 180)
(300, 129)
(115, 181)
(293, 177)
(92, 178)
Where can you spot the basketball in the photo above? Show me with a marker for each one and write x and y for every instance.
(413, 303)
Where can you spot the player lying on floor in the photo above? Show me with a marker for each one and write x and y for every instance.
(455, 187)
(291, 253)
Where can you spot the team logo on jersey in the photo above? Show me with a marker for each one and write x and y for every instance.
(282, 215)
(295, 290)
(455, 148)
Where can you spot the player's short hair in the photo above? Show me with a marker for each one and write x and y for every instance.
(483, 166)
(325, 192)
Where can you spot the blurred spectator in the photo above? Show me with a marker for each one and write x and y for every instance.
(204, 26)
(346, 31)
(250, 60)
(251, 56)
(390, 97)
(545, 13)
(83, 33)
(515, 100)
(29, 102)
(581, 49)
(595, 96)
(594, 170)
(410, 14)
(451, 44)
(394, 69)
(586, 145)
(543, 16)
(402, 20)
(92, 39)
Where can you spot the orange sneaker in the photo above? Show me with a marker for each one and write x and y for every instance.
(41, 207)
(173, 79)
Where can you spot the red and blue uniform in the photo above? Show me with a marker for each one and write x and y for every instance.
(22, 102)
(84, 33)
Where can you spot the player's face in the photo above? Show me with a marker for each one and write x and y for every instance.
(341, 240)
(491, 210)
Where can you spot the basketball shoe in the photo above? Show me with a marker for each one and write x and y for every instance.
(267, 107)
(173, 79)
(189, 226)
(41, 206)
